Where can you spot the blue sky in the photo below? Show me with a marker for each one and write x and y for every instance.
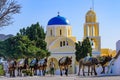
(107, 11)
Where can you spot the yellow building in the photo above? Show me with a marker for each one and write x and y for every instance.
(60, 41)
(91, 30)
(108, 52)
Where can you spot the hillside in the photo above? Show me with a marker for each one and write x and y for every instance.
(4, 37)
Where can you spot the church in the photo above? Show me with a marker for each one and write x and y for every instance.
(61, 42)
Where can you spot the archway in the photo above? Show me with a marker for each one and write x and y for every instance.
(55, 61)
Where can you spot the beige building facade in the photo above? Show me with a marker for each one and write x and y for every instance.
(60, 41)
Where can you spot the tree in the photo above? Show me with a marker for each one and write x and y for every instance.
(35, 33)
(83, 48)
(87, 47)
(2, 49)
(7, 9)
(78, 53)
(29, 42)
(18, 47)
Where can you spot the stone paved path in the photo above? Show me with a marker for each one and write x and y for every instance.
(57, 77)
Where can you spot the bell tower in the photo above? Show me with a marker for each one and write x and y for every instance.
(91, 30)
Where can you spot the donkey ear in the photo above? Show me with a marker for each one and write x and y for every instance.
(71, 57)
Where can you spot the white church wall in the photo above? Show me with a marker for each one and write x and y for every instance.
(117, 46)
(115, 67)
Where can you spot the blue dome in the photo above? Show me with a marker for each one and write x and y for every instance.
(58, 20)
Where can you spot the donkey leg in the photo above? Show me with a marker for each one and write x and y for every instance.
(10, 72)
(66, 71)
(32, 71)
(43, 72)
(18, 72)
(91, 70)
(83, 71)
(95, 70)
(79, 70)
(103, 71)
(13, 72)
(12, 75)
(88, 70)
(61, 72)
(35, 72)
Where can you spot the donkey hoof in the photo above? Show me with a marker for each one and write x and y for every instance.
(95, 73)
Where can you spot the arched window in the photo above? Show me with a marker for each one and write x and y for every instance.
(63, 43)
(51, 32)
(93, 44)
(60, 32)
(60, 43)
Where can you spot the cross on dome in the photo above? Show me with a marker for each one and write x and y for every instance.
(58, 13)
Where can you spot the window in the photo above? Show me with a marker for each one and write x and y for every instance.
(60, 32)
(60, 43)
(63, 43)
(51, 32)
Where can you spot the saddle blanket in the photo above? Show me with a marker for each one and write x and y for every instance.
(86, 59)
(62, 60)
(41, 62)
(21, 62)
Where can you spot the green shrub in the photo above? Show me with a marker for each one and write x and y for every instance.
(1, 71)
(27, 72)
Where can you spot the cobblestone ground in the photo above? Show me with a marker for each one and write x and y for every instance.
(57, 77)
